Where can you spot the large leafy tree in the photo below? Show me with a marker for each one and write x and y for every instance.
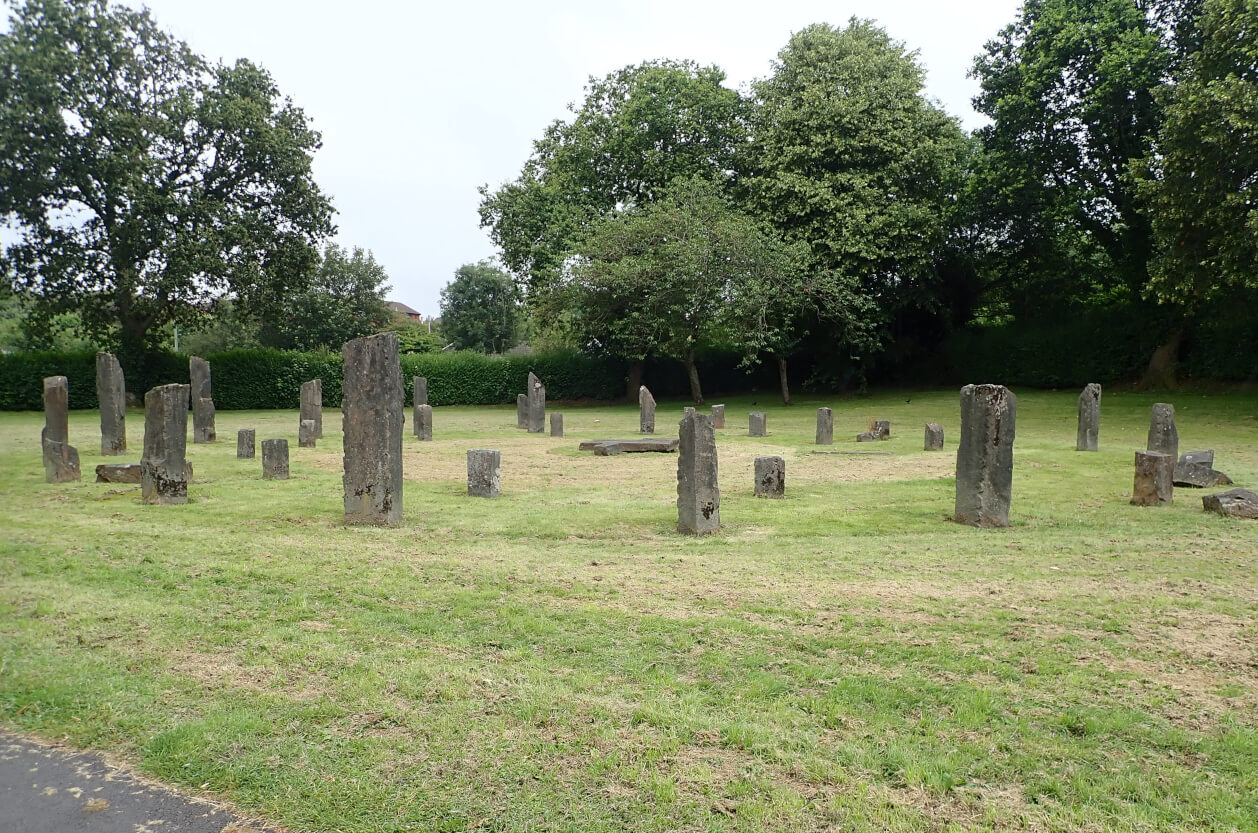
(480, 309)
(143, 183)
(344, 301)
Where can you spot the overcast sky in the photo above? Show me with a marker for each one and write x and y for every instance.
(421, 103)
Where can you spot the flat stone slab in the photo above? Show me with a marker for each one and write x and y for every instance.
(128, 472)
(1234, 503)
(1195, 469)
(857, 453)
(660, 444)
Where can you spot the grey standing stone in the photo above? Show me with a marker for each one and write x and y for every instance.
(312, 405)
(371, 407)
(770, 477)
(718, 416)
(522, 410)
(646, 411)
(202, 401)
(537, 405)
(757, 424)
(985, 455)
(246, 444)
(825, 426)
(423, 422)
(275, 459)
(1234, 503)
(1162, 434)
(163, 467)
(111, 392)
(1154, 483)
(306, 434)
(61, 460)
(556, 425)
(419, 391)
(1089, 418)
(698, 495)
(484, 472)
(934, 437)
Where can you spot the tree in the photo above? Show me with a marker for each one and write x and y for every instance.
(480, 308)
(144, 184)
(344, 301)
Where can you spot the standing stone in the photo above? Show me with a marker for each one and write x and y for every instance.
(825, 426)
(202, 401)
(556, 425)
(371, 407)
(881, 429)
(423, 422)
(646, 411)
(306, 434)
(1162, 434)
(61, 460)
(698, 496)
(985, 455)
(246, 444)
(770, 476)
(275, 459)
(1089, 418)
(1154, 484)
(111, 392)
(312, 405)
(757, 424)
(484, 472)
(419, 391)
(718, 416)
(163, 468)
(522, 410)
(934, 437)
(537, 405)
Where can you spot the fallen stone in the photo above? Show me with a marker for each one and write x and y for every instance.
(770, 477)
(1195, 469)
(639, 445)
(129, 472)
(867, 437)
(1234, 503)
(111, 393)
(934, 440)
(1089, 418)
(1154, 483)
(484, 472)
(985, 455)
(698, 493)
(825, 426)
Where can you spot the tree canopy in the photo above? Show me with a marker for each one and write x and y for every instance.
(480, 309)
(344, 301)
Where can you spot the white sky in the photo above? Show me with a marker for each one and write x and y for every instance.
(419, 103)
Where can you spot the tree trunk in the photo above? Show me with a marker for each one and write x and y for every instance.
(692, 370)
(635, 379)
(1160, 374)
(782, 380)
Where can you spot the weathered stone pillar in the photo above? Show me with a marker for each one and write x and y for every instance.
(770, 477)
(306, 434)
(246, 444)
(111, 392)
(312, 405)
(537, 405)
(202, 401)
(484, 472)
(419, 391)
(985, 455)
(556, 425)
(1089, 418)
(275, 459)
(371, 407)
(646, 411)
(718, 416)
(1163, 436)
(934, 437)
(163, 468)
(522, 410)
(825, 426)
(61, 460)
(1154, 484)
(423, 422)
(757, 424)
(698, 495)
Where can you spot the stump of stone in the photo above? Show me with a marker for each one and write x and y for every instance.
(698, 495)
(770, 477)
(757, 424)
(371, 407)
(423, 423)
(646, 411)
(130, 472)
(111, 393)
(306, 434)
(985, 455)
(537, 405)
(202, 401)
(1163, 436)
(1234, 503)
(1089, 418)
(484, 472)
(522, 411)
(275, 459)
(880, 428)
(419, 391)
(163, 467)
(718, 416)
(61, 460)
(825, 426)
(556, 425)
(246, 443)
(312, 405)
(934, 437)
(662, 445)
(1154, 481)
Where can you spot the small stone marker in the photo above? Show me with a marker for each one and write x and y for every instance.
(423, 422)
(522, 411)
(646, 411)
(664, 445)
(985, 455)
(371, 405)
(163, 468)
(1162, 434)
(111, 392)
(484, 472)
(934, 437)
(419, 391)
(537, 405)
(1089, 418)
(757, 424)
(306, 434)
(61, 460)
(718, 416)
(202, 401)
(312, 406)
(698, 495)
(556, 424)
(878, 430)
(130, 472)
(1234, 503)
(1154, 483)
(1195, 469)
(246, 443)
(770, 477)
(825, 426)
(275, 459)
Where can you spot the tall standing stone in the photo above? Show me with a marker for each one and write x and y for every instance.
(646, 411)
(825, 426)
(484, 472)
(556, 425)
(111, 392)
(1089, 418)
(306, 434)
(718, 416)
(312, 405)
(698, 496)
(275, 459)
(522, 410)
(757, 424)
(985, 455)
(163, 467)
(934, 437)
(423, 422)
(371, 407)
(419, 391)
(537, 405)
(1154, 482)
(770, 477)
(1163, 436)
(246, 444)
(61, 460)
(202, 401)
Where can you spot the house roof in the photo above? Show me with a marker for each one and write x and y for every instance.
(398, 306)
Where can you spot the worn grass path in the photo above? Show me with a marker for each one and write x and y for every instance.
(561, 659)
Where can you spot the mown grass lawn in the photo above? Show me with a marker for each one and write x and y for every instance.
(561, 659)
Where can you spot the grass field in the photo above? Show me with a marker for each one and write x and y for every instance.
(561, 659)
